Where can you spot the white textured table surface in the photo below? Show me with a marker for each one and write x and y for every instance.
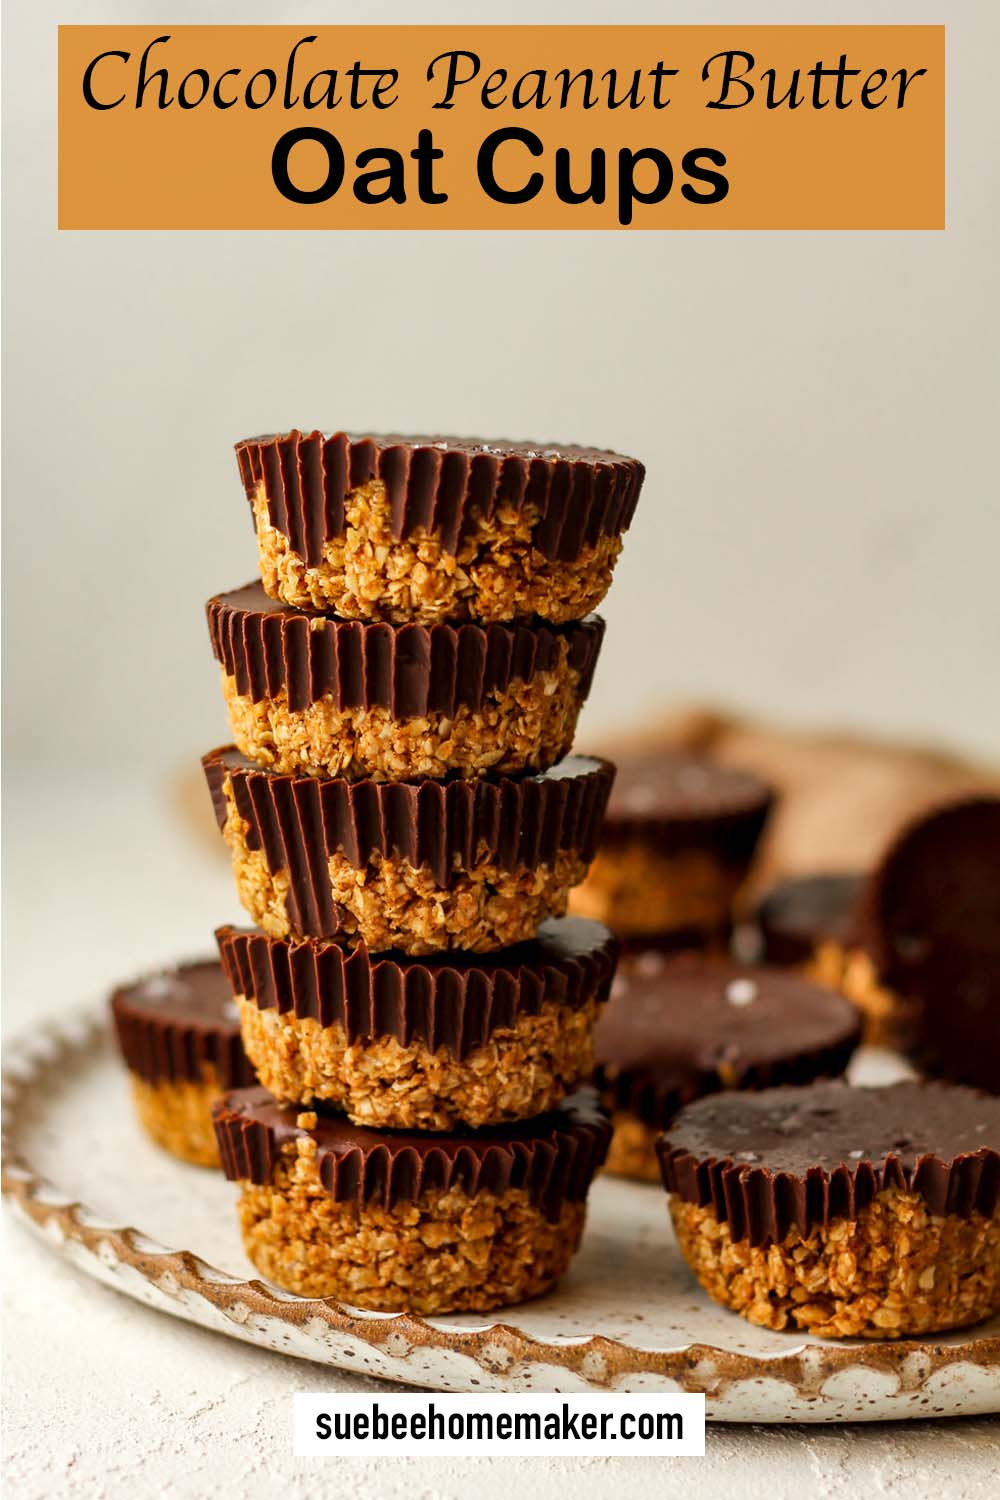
(105, 1398)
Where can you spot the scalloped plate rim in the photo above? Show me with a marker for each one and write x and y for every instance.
(43, 1205)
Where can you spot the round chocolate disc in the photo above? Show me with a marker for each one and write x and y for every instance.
(687, 799)
(554, 1157)
(446, 485)
(410, 670)
(805, 1156)
(931, 922)
(678, 1027)
(795, 917)
(456, 1002)
(172, 1023)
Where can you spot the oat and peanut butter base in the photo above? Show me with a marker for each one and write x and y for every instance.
(390, 904)
(177, 1114)
(445, 1252)
(894, 1271)
(369, 574)
(529, 726)
(520, 1071)
(632, 1152)
(638, 891)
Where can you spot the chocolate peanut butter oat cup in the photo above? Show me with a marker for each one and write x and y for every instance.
(811, 923)
(418, 1044)
(421, 867)
(930, 923)
(179, 1034)
(798, 917)
(677, 1028)
(677, 844)
(401, 1222)
(436, 528)
(847, 1212)
(329, 697)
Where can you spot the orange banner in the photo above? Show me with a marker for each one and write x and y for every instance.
(501, 127)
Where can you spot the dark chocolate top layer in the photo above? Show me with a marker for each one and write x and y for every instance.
(676, 1028)
(805, 1156)
(440, 484)
(411, 670)
(798, 915)
(680, 801)
(553, 1157)
(519, 822)
(455, 1003)
(930, 919)
(171, 1024)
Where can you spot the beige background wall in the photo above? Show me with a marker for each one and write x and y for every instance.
(819, 537)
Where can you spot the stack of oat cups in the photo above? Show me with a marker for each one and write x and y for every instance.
(406, 821)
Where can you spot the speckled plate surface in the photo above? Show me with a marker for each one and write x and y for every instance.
(79, 1172)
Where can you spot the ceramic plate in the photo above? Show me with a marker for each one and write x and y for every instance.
(78, 1171)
